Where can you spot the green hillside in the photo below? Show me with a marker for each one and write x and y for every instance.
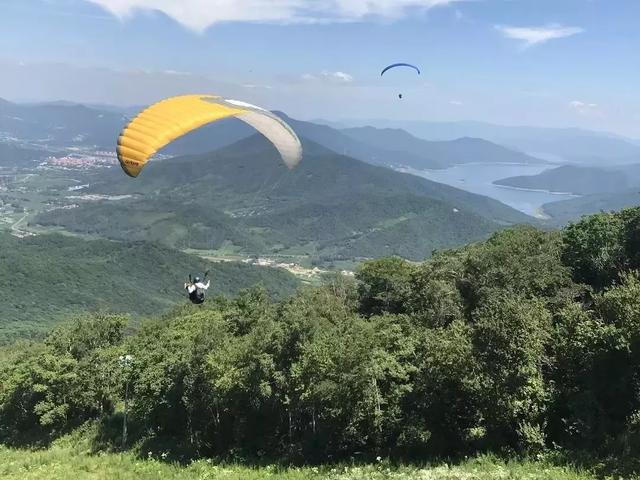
(569, 210)
(525, 346)
(49, 277)
(331, 206)
(580, 180)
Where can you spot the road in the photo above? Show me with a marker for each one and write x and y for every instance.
(15, 228)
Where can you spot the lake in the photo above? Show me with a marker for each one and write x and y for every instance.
(479, 177)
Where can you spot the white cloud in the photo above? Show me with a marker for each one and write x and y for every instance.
(201, 14)
(583, 108)
(531, 36)
(175, 72)
(456, 103)
(252, 86)
(340, 77)
(328, 77)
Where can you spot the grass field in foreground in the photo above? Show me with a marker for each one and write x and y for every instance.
(64, 464)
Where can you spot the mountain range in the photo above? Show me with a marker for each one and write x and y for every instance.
(447, 153)
(365, 218)
(59, 123)
(63, 123)
(561, 145)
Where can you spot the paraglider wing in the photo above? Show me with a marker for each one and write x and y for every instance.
(169, 119)
(275, 130)
(395, 65)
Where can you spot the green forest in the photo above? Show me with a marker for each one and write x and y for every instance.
(48, 278)
(523, 346)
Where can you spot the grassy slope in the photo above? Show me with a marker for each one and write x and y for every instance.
(45, 278)
(64, 464)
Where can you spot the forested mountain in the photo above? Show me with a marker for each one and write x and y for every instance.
(580, 180)
(47, 278)
(570, 210)
(331, 206)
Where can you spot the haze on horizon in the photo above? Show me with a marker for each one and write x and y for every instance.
(521, 62)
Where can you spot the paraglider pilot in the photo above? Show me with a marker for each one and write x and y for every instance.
(196, 289)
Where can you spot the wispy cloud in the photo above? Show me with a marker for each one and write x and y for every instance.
(201, 14)
(328, 77)
(252, 86)
(583, 108)
(175, 72)
(456, 103)
(531, 36)
(338, 76)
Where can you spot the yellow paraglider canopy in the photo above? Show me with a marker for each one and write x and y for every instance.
(167, 120)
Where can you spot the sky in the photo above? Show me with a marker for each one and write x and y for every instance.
(556, 63)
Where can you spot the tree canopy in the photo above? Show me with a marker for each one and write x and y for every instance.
(525, 343)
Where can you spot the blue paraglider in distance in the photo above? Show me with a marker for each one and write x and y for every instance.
(400, 65)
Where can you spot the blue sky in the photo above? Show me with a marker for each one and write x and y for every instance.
(535, 62)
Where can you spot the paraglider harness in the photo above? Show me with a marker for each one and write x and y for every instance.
(196, 293)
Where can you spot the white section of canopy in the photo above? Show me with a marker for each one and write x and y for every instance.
(277, 132)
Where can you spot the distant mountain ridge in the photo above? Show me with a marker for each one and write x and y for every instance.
(579, 180)
(564, 144)
(67, 123)
(449, 153)
(61, 123)
(376, 153)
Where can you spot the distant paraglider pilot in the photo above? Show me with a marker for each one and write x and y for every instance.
(196, 289)
(397, 65)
